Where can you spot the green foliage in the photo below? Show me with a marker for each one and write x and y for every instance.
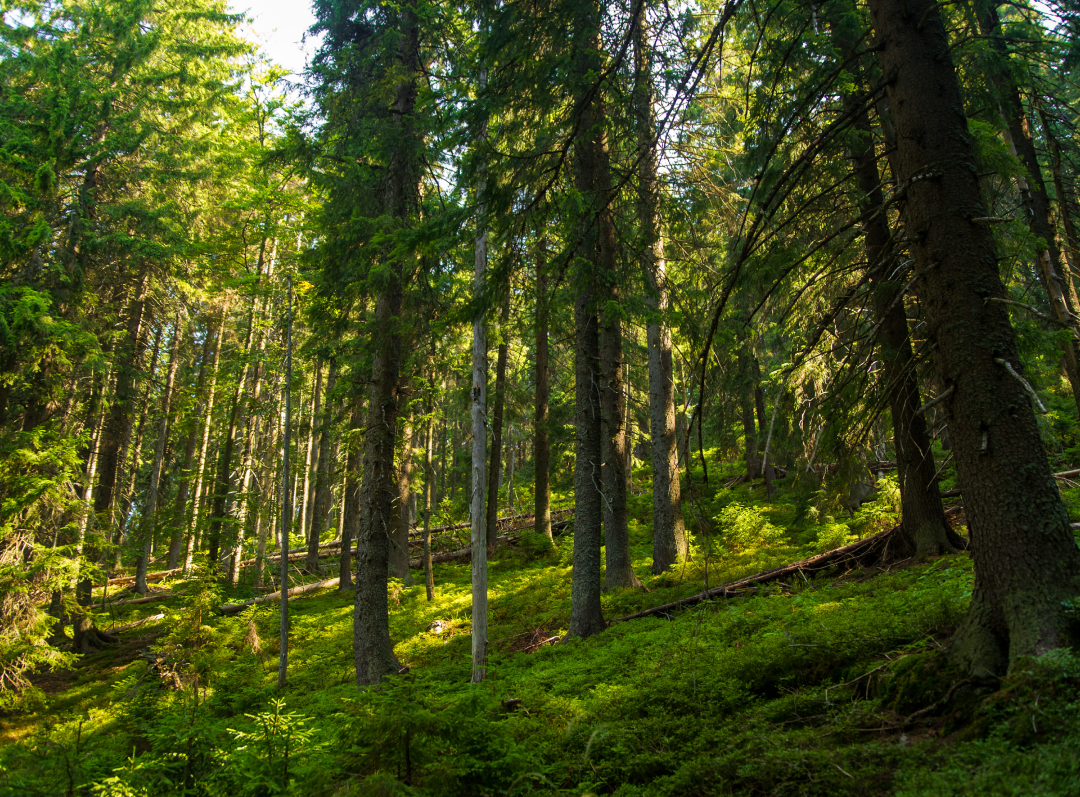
(745, 527)
(35, 468)
(265, 761)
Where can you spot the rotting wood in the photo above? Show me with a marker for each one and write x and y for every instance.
(503, 521)
(122, 580)
(233, 608)
(119, 629)
(821, 561)
(147, 599)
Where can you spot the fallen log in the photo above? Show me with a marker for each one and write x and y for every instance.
(122, 580)
(233, 608)
(295, 554)
(466, 553)
(500, 522)
(453, 556)
(147, 599)
(812, 564)
(119, 629)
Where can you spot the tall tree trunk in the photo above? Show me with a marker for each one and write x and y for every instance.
(113, 441)
(590, 157)
(224, 485)
(494, 473)
(286, 505)
(619, 573)
(767, 469)
(198, 496)
(323, 475)
(307, 497)
(923, 524)
(176, 541)
(351, 511)
(131, 461)
(429, 478)
(669, 532)
(373, 651)
(248, 520)
(441, 492)
(1026, 560)
(480, 531)
(263, 498)
(541, 445)
(510, 468)
(149, 512)
(399, 542)
(746, 407)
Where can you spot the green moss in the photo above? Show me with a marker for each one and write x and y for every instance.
(801, 688)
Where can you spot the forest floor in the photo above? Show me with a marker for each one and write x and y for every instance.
(829, 685)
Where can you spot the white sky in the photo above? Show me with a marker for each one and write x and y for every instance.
(278, 26)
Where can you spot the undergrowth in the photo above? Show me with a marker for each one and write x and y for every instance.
(830, 686)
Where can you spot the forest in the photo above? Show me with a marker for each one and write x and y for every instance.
(541, 398)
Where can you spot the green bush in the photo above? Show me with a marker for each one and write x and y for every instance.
(745, 527)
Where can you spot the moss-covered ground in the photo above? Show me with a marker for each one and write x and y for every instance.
(836, 685)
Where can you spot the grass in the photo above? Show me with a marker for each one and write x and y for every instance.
(811, 687)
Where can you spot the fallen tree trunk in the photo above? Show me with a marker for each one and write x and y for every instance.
(147, 599)
(822, 561)
(122, 580)
(119, 629)
(233, 608)
(295, 554)
(501, 522)
(465, 554)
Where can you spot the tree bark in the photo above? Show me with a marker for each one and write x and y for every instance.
(149, 511)
(351, 504)
(1026, 560)
(306, 498)
(586, 616)
(113, 441)
(286, 503)
(541, 444)
(767, 469)
(184, 487)
(924, 528)
(372, 648)
(669, 532)
(510, 468)
(399, 542)
(429, 477)
(746, 407)
(494, 474)
(323, 475)
(200, 465)
(248, 520)
(258, 506)
(131, 460)
(478, 394)
(619, 572)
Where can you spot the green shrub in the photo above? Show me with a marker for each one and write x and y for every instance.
(745, 527)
